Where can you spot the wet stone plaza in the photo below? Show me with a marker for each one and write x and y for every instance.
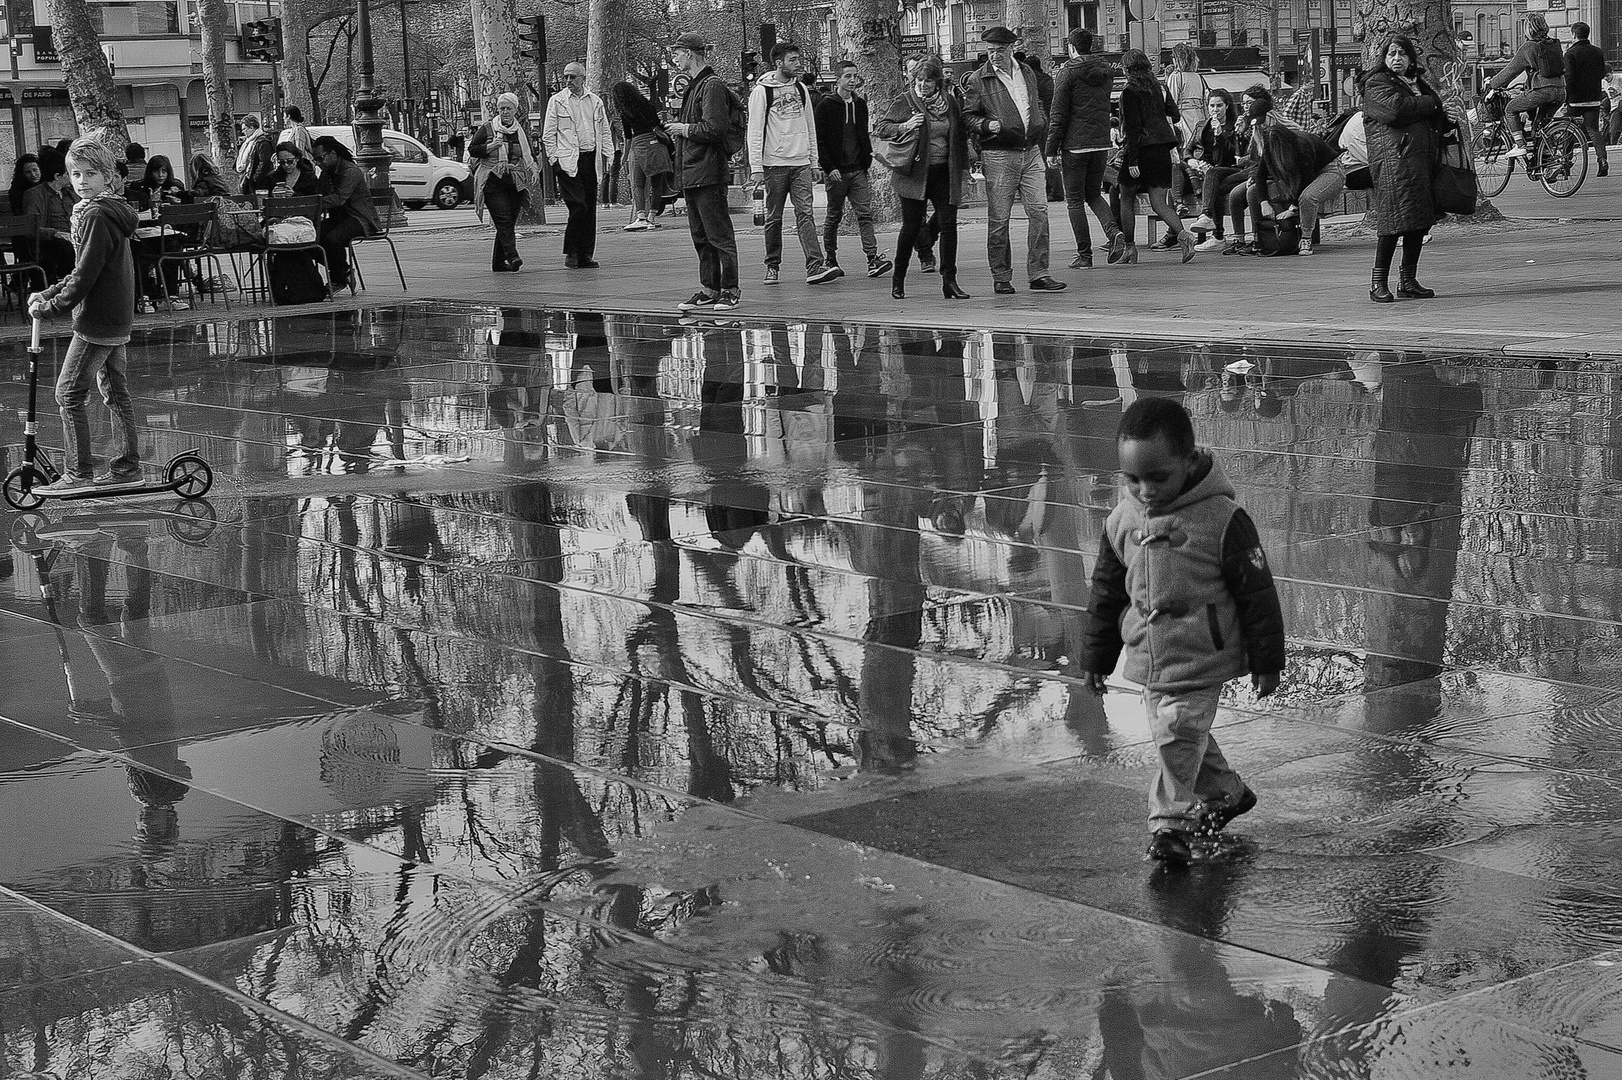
(561, 694)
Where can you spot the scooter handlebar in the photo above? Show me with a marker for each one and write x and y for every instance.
(34, 344)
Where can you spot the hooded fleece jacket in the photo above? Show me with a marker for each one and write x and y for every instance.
(781, 123)
(1185, 590)
(100, 290)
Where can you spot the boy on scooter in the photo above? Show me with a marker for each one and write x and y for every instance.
(101, 294)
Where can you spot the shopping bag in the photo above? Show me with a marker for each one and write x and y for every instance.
(1453, 188)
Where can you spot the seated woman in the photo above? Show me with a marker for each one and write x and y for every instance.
(24, 176)
(1216, 156)
(1294, 171)
(204, 179)
(50, 207)
(294, 175)
(347, 204)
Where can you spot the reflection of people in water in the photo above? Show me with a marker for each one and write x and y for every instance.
(141, 711)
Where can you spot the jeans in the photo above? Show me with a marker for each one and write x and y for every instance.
(641, 182)
(791, 182)
(579, 193)
(713, 239)
(1238, 200)
(1325, 186)
(608, 189)
(1083, 191)
(503, 199)
(937, 193)
(852, 185)
(1192, 768)
(1014, 174)
(336, 232)
(1218, 184)
(1596, 130)
(1529, 102)
(106, 366)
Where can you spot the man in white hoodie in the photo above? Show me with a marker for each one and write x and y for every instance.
(782, 153)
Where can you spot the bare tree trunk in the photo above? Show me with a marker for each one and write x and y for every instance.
(216, 21)
(606, 62)
(84, 66)
(870, 35)
(495, 50)
(1028, 19)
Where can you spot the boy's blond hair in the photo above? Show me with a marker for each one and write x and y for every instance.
(90, 150)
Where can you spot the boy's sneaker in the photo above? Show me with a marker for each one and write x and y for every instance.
(64, 485)
(125, 479)
(701, 301)
(1117, 247)
(1218, 815)
(879, 266)
(1240, 247)
(1304, 247)
(1170, 847)
(1203, 222)
(926, 263)
(638, 225)
(827, 273)
(1082, 261)
(1211, 243)
(726, 301)
(771, 276)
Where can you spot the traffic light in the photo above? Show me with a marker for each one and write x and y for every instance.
(749, 63)
(433, 102)
(532, 37)
(262, 40)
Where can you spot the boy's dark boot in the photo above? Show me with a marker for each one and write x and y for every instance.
(1218, 814)
(1170, 847)
(1379, 289)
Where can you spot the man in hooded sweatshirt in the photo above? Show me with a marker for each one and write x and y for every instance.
(1079, 142)
(782, 145)
(100, 291)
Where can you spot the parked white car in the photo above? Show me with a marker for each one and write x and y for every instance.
(419, 177)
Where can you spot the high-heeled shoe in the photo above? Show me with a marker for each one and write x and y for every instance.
(1130, 255)
(951, 291)
(898, 288)
(515, 264)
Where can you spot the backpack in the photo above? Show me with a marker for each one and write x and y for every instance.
(295, 280)
(1551, 63)
(1332, 131)
(737, 134)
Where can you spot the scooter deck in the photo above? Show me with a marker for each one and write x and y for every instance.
(111, 491)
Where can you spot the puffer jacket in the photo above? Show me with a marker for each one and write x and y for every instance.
(985, 99)
(1403, 129)
(1080, 116)
(1186, 592)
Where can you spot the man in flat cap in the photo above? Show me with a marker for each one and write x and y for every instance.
(1002, 104)
(700, 129)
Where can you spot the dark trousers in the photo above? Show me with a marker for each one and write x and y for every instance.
(1412, 244)
(1595, 128)
(713, 239)
(503, 199)
(1083, 191)
(1218, 184)
(580, 195)
(937, 194)
(336, 232)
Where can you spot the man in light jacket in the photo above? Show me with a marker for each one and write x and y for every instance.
(1002, 105)
(580, 144)
(782, 149)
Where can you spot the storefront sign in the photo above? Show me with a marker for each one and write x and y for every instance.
(44, 95)
(44, 46)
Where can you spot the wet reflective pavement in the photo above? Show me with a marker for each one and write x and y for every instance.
(559, 694)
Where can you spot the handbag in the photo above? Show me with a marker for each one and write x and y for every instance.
(898, 154)
(1112, 167)
(1453, 187)
(1275, 237)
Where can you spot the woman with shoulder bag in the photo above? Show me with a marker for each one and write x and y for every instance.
(1403, 123)
(504, 170)
(649, 151)
(1147, 141)
(930, 121)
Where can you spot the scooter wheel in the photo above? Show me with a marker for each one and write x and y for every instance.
(194, 521)
(25, 530)
(190, 476)
(19, 487)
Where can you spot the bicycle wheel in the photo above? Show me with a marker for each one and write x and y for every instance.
(1492, 167)
(1565, 159)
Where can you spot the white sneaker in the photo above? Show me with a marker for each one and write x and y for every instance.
(1518, 151)
(1304, 247)
(1210, 243)
(179, 305)
(638, 225)
(1203, 223)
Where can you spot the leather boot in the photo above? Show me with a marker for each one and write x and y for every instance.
(950, 289)
(898, 287)
(1379, 291)
(1408, 286)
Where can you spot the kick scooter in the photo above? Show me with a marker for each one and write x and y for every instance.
(186, 474)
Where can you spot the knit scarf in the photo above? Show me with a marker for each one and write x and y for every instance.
(934, 106)
(522, 177)
(245, 153)
(81, 211)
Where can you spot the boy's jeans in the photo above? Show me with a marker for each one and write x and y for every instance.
(791, 183)
(105, 364)
(1192, 769)
(853, 185)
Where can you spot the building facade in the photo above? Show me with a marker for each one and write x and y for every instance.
(155, 49)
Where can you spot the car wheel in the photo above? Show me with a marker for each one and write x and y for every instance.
(447, 195)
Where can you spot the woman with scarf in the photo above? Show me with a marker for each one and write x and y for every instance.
(504, 170)
(934, 173)
(254, 155)
(1147, 140)
(1403, 121)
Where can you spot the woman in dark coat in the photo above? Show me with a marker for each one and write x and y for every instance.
(933, 176)
(1147, 140)
(504, 171)
(1403, 121)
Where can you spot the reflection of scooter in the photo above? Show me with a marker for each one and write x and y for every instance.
(191, 521)
(187, 474)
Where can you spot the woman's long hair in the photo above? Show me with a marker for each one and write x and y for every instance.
(1406, 44)
(20, 183)
(1230, 108)
(1185, 57)
(153, 164)
(634, 109)
(1291, 156)
(1139, 75)
(201, 165)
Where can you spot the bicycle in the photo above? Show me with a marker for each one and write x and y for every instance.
(1557, 150)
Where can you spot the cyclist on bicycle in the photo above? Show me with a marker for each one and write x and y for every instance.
(1545, 67)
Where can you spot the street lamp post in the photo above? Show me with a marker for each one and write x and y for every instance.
(370, 153)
